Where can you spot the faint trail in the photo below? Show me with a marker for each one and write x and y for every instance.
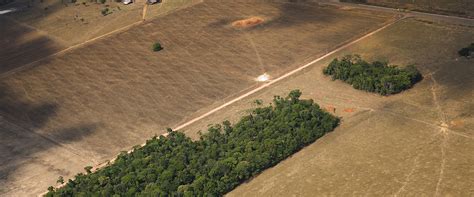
(434, 86)
(262, 68)
(408, 176)
(443, 131)
(460, 134)
(443, 162)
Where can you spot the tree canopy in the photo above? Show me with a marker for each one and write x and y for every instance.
(223, 158)
(373, 77)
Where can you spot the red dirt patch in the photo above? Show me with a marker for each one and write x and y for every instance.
(457, 123)
(349, 110)
(249, 22)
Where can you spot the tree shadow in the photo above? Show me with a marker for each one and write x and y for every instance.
(290, 13)
(294, 13)
(22, 145)
(21, 45)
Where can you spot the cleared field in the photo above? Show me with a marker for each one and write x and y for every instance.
(42, 28)
(416, 143)
(459, 7)
(115, 92)
(74, 23)
(22, 44)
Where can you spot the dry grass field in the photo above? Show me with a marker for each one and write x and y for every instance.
(74, 23)
(21, 44)
(416, 143)
(83, 106)
(41, 28)
(450, 7)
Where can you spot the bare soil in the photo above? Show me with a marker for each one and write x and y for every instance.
(249, 22)
(114, 93)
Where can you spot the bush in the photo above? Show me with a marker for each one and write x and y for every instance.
(105, 12)
(101, 1)
(375, 77)
(157, 47)
(466, 52)
(222, 159)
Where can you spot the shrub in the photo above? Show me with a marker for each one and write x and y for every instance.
(222, 159)
(373, 77)
(157, 47)
(466, 52)
(105, 12)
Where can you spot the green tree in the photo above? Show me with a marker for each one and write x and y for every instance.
(60, 180)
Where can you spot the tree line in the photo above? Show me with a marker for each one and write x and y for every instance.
(376, 77)
(220, 160)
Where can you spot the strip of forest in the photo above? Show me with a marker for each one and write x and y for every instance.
(224, 157)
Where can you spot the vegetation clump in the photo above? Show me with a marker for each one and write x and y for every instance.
(157, 47)
(105, 12)
(467, 51)
(376, 77)
(212, 166)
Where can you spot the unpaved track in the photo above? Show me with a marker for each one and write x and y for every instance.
(283, 76)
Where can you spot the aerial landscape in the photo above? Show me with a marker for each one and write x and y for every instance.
(236, 98)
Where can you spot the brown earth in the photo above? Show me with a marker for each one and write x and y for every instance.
(249, 22)
(399, 145)
(111, 94)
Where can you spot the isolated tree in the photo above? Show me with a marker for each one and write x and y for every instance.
(88, 169)
(60, 180)
(467, 51)
(157, 47)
